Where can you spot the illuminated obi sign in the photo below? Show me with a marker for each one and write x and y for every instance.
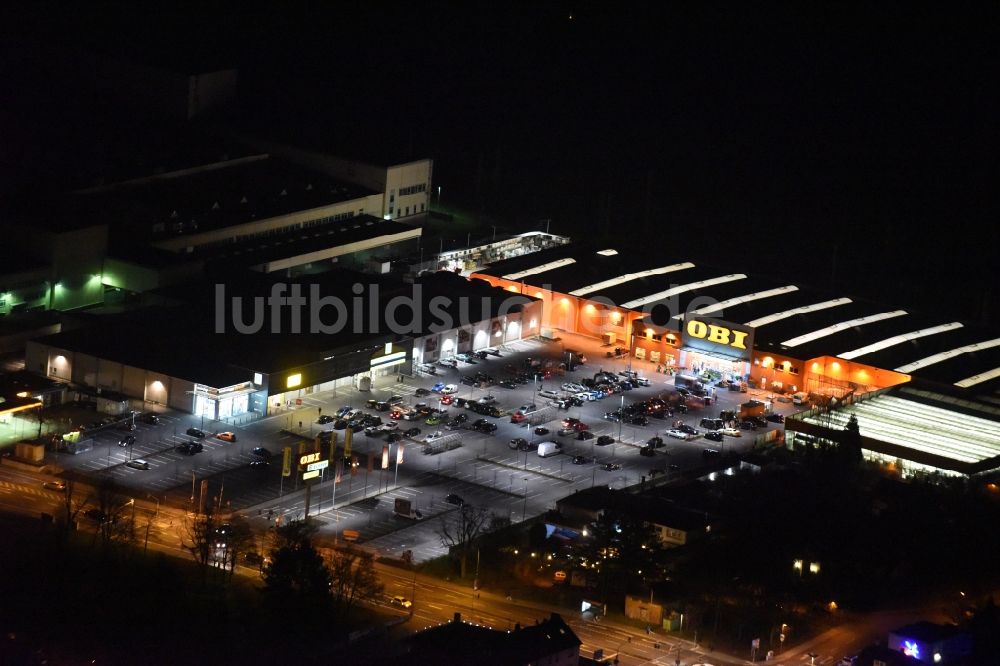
(715, 335)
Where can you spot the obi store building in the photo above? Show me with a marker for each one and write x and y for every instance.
(773, 334)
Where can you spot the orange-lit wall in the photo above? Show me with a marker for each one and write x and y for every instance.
(849, 371)
(571, 313)
(777, 371)
(817, 373)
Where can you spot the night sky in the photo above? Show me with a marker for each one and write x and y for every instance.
(756, 140)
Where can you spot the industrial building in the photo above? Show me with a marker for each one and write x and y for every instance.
(173, 353)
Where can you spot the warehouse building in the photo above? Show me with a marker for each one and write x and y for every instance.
(776, 335)
(179, 353)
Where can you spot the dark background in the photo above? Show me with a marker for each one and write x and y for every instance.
(853, 148)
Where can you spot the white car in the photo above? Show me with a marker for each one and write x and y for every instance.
(487, 399)
(434, 436)
(679, 434)
(449, 389)
(732, 432)
(641, 381)
(400, 601)
(386, 427)
(546, 393)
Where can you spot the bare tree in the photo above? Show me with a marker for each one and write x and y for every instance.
(117, 514)
(460, 533)
(200, 536)
(353, 579)
(237, 538)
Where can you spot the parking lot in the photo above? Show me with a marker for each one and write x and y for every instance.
(480, 467)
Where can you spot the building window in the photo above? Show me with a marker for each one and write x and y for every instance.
(390, 210)
(407, 210)
(421, 208)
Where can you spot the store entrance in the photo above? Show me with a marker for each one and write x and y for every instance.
(713, 368)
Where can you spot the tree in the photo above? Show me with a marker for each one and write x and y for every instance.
(850, 442)
(237, 538)
(460, 534)
(117, 526)
(296, 576)
(353, 579)
(624, 548)
(201, 532)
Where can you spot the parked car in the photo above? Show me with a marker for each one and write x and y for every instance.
(546, 449)
(604, 440)
(611, 467)
(227, 436)
(508, 384)
(191, 448)
(565, 432)
(584, 435)
(775, 418)
(454, 499)
(710, 453)
(677, 433)
(449, 389)
(448, 363)
(96, 515)
(647, 451)
(732, 432)
(487, 399)
(482, 425)
(194, 432)
(714, 435)
(261, 452)
(688, 429)
(137, 464)
(324, 419)
(541, 430)
(151, 419)
(127, 440)
(580, 460)
(655, 442)
(411, 432)
(518, 444)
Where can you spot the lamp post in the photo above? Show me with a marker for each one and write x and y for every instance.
(524, 507)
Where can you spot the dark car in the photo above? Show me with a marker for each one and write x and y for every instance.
(580, 460)
(260, 463)
(584, 435)
(638, 419)
(340, 424)
(127, 440)
(394, 437)
(688, 429)
(747, 424)
(459, 419)
(194, 432)
(151, 419)
(613, 416)
(604, 440)
(261, 452)
(191, 448)
(611, 467)
(469, 381)
(508, 384)
(710, 453)
(713, 435)
(655, 442)
(541, 430)
(421, 392)
(482, 425)
(411, 432)
(775, 418)
(647, 451)
(454, 499)
(481, 354)
(324, 419)
(96, 515)
(760, 421)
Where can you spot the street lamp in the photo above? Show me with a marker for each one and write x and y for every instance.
(524, 507)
